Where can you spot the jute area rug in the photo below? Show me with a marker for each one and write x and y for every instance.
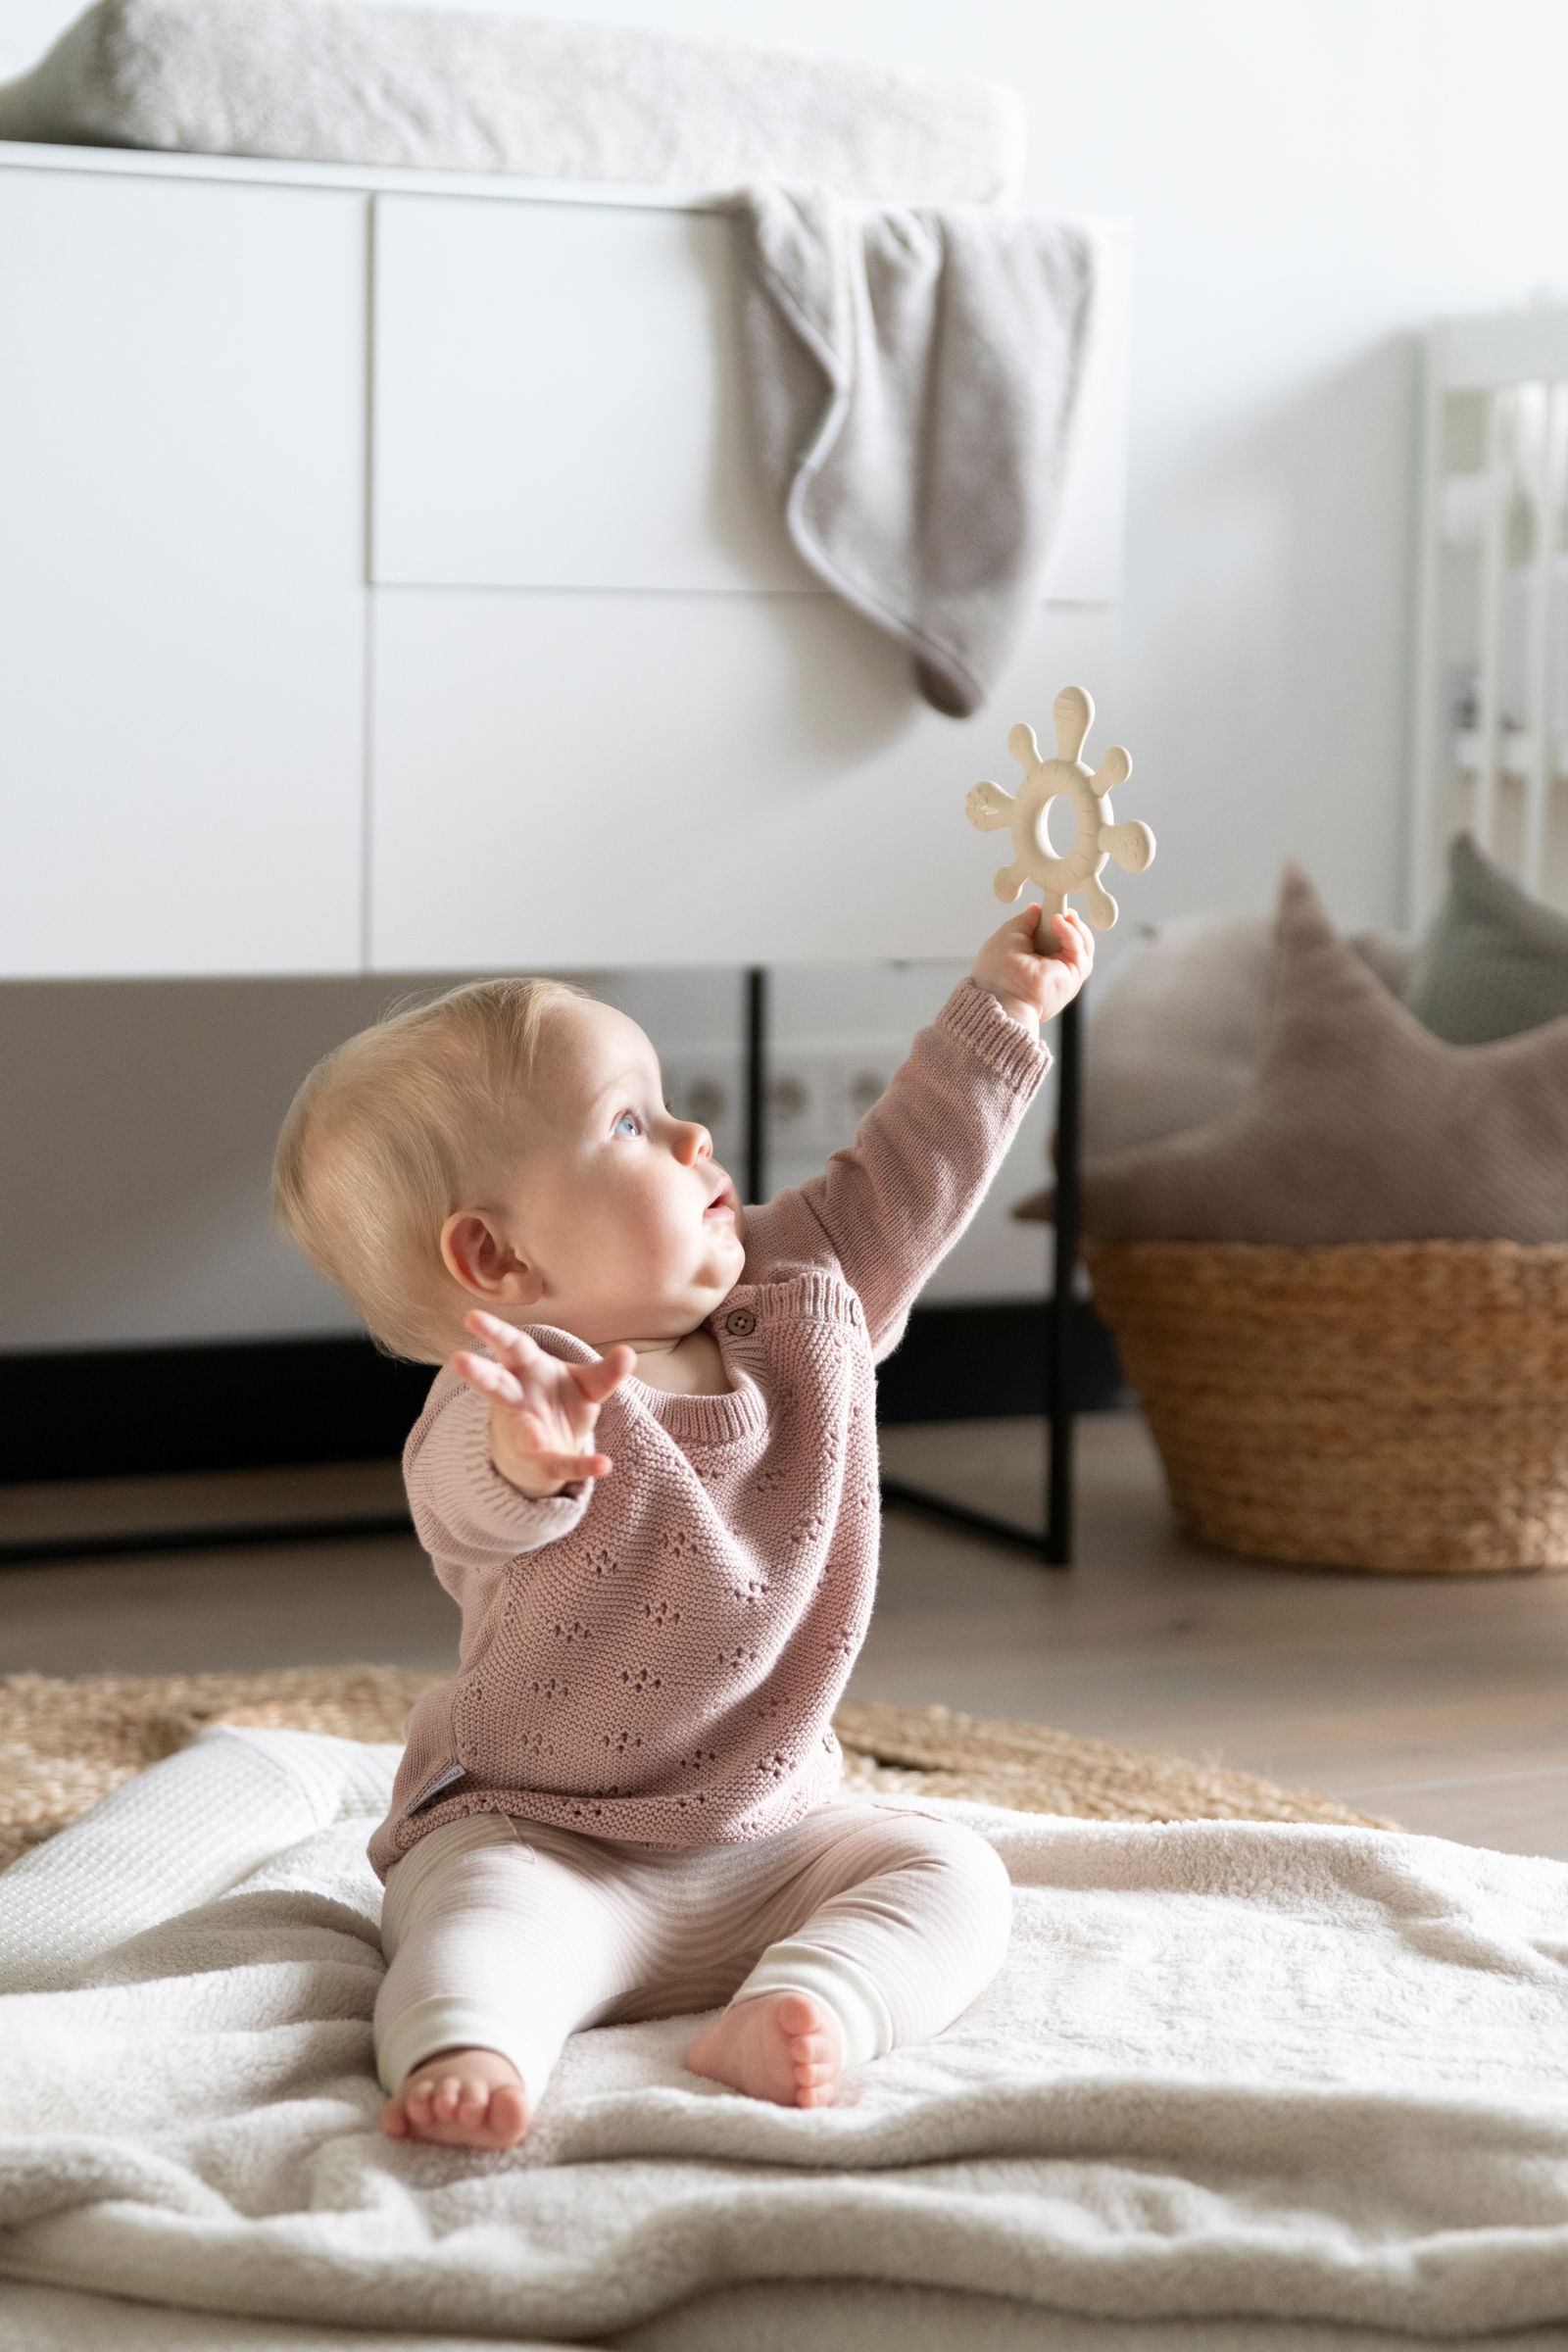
(65, 1745)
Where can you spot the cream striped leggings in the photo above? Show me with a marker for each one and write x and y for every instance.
(505, 1934)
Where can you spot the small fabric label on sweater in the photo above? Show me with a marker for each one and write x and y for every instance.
(443, 1780)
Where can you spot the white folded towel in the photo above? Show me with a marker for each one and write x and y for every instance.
(472, 92)
(914, 381)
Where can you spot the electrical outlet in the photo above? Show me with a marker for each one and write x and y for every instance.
(859, 1081)
(710, 1101)
(708, 1089)
(795, 1105)
(816, 1098)
(819, 1096)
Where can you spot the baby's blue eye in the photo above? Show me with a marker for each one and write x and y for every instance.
(628, 1123)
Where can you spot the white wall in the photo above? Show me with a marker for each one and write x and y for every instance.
(1312, 181)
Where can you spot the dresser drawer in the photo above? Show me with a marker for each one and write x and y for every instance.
(559, 403)
(601, 778)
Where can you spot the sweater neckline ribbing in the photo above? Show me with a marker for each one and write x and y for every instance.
(706, 1420)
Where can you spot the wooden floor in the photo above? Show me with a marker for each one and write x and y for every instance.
(1441, 1701)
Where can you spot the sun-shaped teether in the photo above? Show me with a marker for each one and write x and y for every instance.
(1026, 814)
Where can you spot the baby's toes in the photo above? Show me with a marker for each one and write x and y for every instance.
(509, 2116)
(446, 2100)
(816, 2084)
(813, 2055)
(472, 2104)
(394, 2120)
(808, 2056)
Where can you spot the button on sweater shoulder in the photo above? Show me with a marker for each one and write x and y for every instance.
(656, 1657)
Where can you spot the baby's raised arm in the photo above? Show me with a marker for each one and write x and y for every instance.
(891, 1206)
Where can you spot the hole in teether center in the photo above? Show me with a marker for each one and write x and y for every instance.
(1043, 825)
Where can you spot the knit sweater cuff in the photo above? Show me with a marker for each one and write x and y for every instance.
(465, 1491)
(973, 1017)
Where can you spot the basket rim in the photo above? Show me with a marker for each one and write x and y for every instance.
(1240, 1253)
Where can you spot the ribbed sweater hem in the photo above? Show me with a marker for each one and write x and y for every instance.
(675, 1823)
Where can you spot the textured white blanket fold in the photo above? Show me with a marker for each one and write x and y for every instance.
(914, 378)
(462, 90)
(1233, 2072)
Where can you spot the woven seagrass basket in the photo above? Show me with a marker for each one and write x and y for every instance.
(1401, 1406)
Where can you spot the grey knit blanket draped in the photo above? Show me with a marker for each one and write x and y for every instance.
(914, 378)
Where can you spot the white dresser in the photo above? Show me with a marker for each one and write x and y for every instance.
(384, 586)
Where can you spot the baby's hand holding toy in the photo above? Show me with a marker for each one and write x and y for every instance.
(542, 1411)
(1029, 982)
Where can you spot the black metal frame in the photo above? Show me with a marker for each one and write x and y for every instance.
(1053, 1543)
(755, 1082)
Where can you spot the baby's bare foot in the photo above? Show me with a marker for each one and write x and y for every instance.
(782, 2047)
(460, 2099)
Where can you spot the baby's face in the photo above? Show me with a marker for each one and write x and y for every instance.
(619, 1210)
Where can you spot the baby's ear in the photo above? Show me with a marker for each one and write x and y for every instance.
(480, 1258)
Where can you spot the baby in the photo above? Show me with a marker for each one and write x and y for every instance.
(652, 1490)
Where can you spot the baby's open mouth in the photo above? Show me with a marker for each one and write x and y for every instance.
(725, 1201)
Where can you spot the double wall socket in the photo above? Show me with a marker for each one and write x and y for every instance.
(816, 1096)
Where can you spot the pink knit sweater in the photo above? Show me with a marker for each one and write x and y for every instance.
(657, 1656)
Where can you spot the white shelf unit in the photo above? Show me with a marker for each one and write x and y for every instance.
(384, 586)
(1490, 718)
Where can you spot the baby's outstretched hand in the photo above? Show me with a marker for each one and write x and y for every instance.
(542, 1411)
(1028, 985)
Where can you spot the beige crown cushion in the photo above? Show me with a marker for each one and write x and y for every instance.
(1494, 962)
(1177, 1037)
(1363, 1127)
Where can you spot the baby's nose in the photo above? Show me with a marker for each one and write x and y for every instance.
(693, 1143)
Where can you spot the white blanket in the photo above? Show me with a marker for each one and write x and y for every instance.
(1234, 2071)
(915, 379)
(462, 90)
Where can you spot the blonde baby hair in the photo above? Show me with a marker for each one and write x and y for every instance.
(395, 1129)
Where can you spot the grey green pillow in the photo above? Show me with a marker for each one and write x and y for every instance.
(1494, 962)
